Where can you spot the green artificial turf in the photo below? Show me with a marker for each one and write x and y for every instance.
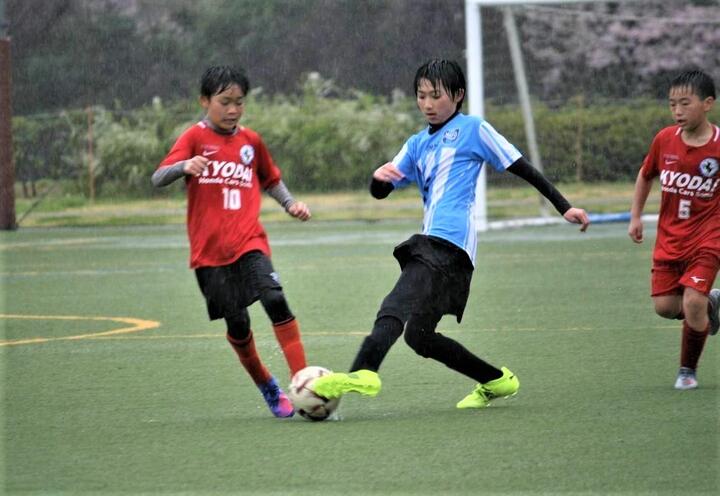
(163, 406)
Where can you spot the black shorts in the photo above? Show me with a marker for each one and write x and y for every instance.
(435, 279)
(229, 289)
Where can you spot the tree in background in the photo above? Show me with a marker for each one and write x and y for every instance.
(619, 49)
(72, 53)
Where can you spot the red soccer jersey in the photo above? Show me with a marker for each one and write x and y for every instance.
(690, 203)
(224, 202)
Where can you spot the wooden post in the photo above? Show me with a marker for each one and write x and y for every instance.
(7, 164)
(90, 156)
(579, 136)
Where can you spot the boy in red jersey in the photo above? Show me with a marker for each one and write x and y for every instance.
(686, 258)
(224, 166)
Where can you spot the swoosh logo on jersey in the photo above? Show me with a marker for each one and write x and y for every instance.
(207, 153)
(697, 279)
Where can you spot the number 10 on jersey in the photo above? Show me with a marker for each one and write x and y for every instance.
(231, 199)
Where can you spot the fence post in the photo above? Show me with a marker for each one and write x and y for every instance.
(579, 137)
(90, 155)
(7, 166)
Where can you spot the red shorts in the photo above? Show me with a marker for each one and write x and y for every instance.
(698, 273)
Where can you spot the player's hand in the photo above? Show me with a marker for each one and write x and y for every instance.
(635, 230)
(299, 210)
(578, 216)
(196, 165)
(388, 173)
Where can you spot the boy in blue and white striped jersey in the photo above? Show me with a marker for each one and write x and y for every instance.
(444, 160)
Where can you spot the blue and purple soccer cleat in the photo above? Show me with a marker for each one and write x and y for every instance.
(276, 399)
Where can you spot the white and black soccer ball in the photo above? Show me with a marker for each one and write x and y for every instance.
(306, 402)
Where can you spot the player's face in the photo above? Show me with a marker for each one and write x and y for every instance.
(224, 109)
(688, 110)
(435, 103)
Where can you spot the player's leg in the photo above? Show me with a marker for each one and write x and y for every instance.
(388, 327)
(669, 306)
(285, 327)
(666, 290)
(363, 377)
(242, 341)
(257, 269)
(697, 306)
(240, 337)
(386, 330)
(667, 296)
(225, 298)
(714, 310)
(696, 327)
(493, 383)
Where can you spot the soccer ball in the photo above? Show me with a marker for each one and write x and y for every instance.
(307, 403)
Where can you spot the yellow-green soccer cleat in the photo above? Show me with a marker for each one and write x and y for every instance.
(336, 384)
(505, 386)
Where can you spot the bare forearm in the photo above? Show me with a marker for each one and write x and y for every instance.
(642, 191)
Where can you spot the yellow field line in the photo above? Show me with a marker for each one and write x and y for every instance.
(135, 325)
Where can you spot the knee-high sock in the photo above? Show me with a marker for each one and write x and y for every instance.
(692, 345)
(374, 347)
(288, 335)
(250, 359)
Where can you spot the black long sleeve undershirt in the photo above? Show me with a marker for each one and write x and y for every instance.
(522, 168)
(380, 189)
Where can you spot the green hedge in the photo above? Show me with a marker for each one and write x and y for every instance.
(326, 144)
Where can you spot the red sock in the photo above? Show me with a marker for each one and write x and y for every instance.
(692, 345)
(250, 359)
(288, 335)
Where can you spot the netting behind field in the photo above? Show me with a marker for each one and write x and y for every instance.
(598, 76)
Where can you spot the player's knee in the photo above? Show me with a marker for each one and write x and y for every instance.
(695, 302)
(668, 309)
(695, 309)
(238, 326)
(418, 336)
(666, 312)
(276, 306)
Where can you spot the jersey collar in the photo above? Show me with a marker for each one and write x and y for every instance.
(218, 130)
(434, 128)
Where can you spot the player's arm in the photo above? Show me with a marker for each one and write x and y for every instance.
(168, 174)
(522, 168)
(281, 194)
(643, 186)
(382, 180)
(271, 181)
(397, 173)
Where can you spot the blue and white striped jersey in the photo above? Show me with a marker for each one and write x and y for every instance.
(445, 166)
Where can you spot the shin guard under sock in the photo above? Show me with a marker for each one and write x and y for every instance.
(288, 336)
(249, 358)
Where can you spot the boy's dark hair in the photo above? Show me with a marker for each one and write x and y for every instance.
(700, 83)
(219, 78)
(448, 73)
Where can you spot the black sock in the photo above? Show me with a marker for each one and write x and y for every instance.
(374, 347)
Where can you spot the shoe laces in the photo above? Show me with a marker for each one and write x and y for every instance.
(686, 374)
(484, 392)
(271, 392)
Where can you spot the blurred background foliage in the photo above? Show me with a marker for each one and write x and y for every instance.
(111, 83)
